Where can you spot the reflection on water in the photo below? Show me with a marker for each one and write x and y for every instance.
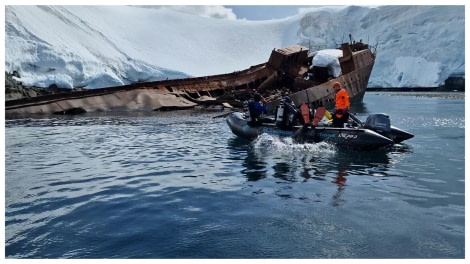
(340, 180)
(312, 160)
(290, 162)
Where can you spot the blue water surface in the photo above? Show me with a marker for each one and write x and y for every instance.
(181, 185)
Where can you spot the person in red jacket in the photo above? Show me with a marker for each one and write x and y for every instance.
(341, 114)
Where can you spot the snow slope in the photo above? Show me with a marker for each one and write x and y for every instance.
(99, 46)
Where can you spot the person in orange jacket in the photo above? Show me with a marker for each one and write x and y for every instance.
(341, 114)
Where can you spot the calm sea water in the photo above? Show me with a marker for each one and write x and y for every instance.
(181, 185)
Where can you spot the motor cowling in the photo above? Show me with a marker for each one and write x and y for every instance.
(379, 123)
(286, 114)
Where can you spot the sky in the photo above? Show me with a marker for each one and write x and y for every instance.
(264, 12)
(253, 12)
(240, 9)
(93, 47)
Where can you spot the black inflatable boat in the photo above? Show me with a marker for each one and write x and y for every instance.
(375, 133)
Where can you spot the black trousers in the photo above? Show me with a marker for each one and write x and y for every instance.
(339, 122)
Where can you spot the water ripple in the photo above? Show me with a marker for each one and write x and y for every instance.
(181, 185)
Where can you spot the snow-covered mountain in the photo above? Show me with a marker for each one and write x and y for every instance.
(99, 46)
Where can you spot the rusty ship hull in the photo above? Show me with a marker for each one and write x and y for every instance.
(283, 75)
(356, 66)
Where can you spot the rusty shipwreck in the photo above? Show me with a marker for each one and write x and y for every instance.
(290, 71)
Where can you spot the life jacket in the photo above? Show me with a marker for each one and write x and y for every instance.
(342, 101)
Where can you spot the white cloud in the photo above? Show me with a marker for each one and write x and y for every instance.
(212, 11)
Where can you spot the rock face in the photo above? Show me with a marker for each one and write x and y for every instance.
(455, 83)
(15, 90)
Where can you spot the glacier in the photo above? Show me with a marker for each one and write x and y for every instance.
(102, 46)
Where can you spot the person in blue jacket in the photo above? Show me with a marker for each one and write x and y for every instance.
(257, 108)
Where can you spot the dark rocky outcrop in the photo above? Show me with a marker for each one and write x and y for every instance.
(16, 90)
(455, 83)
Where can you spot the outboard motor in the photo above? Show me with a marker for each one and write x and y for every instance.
(246, 110)
(286, 114)
(280, 114)
(379, 123)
